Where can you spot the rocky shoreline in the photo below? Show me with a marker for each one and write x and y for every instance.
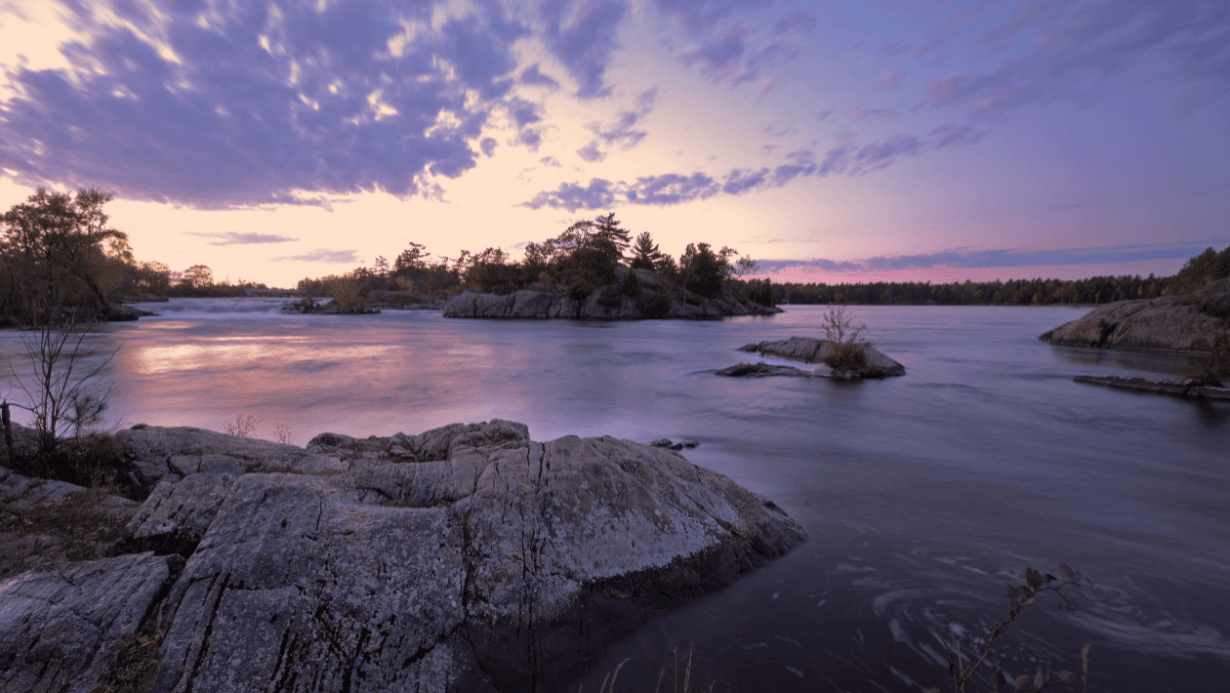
(647, 299)
(466, 558)
(1187, 323)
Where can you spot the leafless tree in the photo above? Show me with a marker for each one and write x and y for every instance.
(64, 386)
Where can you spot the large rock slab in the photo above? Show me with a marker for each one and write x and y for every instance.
(811, 350)
(466, 558)
(1170, 323)
(299, 585)
(65, 629)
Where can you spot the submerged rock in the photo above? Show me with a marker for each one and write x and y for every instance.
(467, 558)
(1171, 323)
(1187, 387)
(810, 350)
(760, 370)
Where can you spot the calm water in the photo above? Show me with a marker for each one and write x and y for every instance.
(924, 495)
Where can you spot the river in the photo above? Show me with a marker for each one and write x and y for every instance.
(924, 495)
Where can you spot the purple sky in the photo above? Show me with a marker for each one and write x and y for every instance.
(832, 141)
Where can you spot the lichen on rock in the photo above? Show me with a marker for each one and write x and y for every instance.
(466, 558)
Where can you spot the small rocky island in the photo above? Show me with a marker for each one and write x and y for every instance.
(644, 297)
(870, 362)
(467, 558)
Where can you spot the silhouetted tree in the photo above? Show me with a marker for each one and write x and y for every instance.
(645, 253)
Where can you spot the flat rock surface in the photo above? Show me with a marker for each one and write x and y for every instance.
(1170, 323)
(467, 558)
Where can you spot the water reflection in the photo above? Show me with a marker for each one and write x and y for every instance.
(924, 495)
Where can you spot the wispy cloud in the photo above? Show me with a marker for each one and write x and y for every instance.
(891, 79)
(322, 255)
(622, 133)
(237, 238)
(1074, 54)
(860, 114)
(845, 157)
(970, 259)
(582, 36)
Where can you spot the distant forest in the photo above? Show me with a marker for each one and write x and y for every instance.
(584, 256)
(1197, 272)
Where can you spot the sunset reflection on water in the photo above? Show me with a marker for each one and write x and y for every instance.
(929, 489)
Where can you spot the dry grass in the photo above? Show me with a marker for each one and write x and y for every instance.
(680, 682)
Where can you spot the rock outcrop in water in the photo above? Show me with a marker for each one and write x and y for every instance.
(809, 350)
(1171, 323)
(651, 300)
(1187, 387)
(467, 558)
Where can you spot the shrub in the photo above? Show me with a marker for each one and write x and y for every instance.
(963, 666)
(658, 305)
(631, 285)
(610, 298)
(846, 357)
(1215, 366)
(847, 350)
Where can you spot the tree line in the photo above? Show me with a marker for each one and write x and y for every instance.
(582, 259)
(58, 253)
(1196, 273)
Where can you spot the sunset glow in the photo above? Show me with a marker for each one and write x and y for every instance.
(881, 141)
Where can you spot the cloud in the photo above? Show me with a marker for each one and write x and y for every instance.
(582, 36)
(971, 259)
(726, 50)
(845, 157)
(1073, 56)
(591, 152)
(254, 104)
(622, 132)
(859, 114)
(780, 129)
(720, 59)
(571, 196)
(322, 255)
(950, 134)
(874, 157)
(487, 145)
(892, 51)
(549, 161)
(237, 238)
(800, 21)
(891, 79)
(530, 76)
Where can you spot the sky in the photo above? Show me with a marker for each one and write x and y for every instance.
(894, 140)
